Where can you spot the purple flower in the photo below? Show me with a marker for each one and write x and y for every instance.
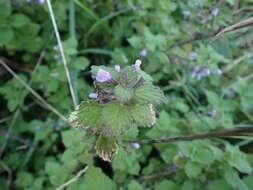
(41, 1)
(137, 65)
(103, 76)
(93, 95)
(172, 168)
(192, 56)
(214, 12)
(213, 112)
(117, 68)
(186, 14)
(206, 72)
(56, 48)
(56, 57)
(144, 53)
(181, 154)
(217, 71)
(230, 95)
(135, 145)
(119, 6)
(37, 128)
(195, 71)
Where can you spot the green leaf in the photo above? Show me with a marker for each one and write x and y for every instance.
(19, 20)
(192, 169)
(57, 173)
(70, 46)
(6, 35)
(202, 155)
(238, 160)
(106, 147)
(81, 63)
(143, 114)
(116, 118)
(134, 185)
(165, 185)
(87, 115)
(95, 179)
(219, 185)
(4, 10)
(233, 179)
(123, 94)
(24, 179)
(131, 133)
(148, 93)
(72, 139)
(129, 77)
(135, 41)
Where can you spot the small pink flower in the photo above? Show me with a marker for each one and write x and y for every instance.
(214, 12)
(144, 53)
(103, 76)
(117, 68)
(135, 145)
(192, 56)
(137, 65)
(41, 1)
(93, 95)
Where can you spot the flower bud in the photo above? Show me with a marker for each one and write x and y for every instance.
(93, 95)
(117, 68)
(135, 145)
(137, 65)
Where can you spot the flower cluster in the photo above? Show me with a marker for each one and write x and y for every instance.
(199, 73)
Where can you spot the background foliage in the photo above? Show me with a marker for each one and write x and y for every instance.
(207, 86)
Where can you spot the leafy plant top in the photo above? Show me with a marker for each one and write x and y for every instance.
(124, 97)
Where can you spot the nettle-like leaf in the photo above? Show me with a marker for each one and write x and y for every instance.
(129, 77)
(143, 114)
(106, 147)
(87, 115)
(116, 118)
(123, 94)
(148, 94)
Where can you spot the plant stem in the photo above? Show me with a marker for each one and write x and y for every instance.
(215, 134)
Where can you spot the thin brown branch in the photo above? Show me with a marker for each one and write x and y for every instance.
(197, 37)
(215, 134)
(243, 24)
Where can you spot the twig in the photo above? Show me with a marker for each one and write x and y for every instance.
(50, 107)
(196, 38)
(236, 62)
(62, 52)
(243, 24)
(241, 80)
(15, 116)
(215, 134)
(8, 170)
(3, 120)
(78, 175)
(156, 175)
(16, 138)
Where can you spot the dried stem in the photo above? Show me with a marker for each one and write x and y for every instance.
(62, 52)
(77, 176)
(215, 134)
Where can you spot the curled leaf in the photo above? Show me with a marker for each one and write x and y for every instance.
(106, 147)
